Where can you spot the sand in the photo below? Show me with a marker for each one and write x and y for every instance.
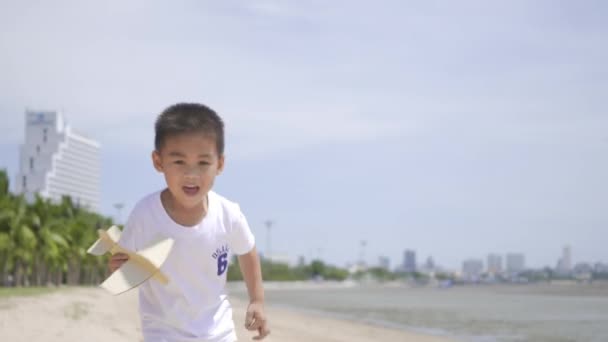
(90, 314)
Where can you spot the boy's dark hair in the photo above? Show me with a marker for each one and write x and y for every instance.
(183, 118)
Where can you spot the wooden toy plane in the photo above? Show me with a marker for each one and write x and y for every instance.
(141, 265)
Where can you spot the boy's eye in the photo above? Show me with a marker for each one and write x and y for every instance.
(203, 163)
(179, 162)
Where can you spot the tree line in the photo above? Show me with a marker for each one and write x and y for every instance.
(43, 242)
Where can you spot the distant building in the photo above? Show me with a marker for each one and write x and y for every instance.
(564, 264)
(301, 261)
(583, 267)
(55, 161)
(567, 258)
(409, 261)
(384, 262)
(600, 267)
(430, 264)
(515, 263)
(494, 264)
(472, 269)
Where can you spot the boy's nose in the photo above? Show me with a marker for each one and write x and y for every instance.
(192, 172)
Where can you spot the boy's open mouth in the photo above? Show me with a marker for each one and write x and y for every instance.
(190, 189)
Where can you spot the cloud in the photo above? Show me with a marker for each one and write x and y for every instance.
(269, 8)
(296, 128)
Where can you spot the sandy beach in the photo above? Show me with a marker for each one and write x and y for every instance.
(77, 314)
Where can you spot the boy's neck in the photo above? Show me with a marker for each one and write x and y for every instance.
(181, 215)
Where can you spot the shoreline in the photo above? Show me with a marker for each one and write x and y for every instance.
(339, 327)
(72, 314)
(282, 309)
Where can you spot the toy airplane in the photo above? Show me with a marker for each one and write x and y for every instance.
(141, 265)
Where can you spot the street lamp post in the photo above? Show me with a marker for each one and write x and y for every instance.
(362, 255)
(268, 224)
(118, 207)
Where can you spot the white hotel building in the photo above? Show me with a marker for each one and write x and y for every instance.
(56, 161)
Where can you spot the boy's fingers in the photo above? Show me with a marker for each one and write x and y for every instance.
(255, 325)
(117, 260)
(263, 332)
(248, 319)
(258, 324)
(120, 256)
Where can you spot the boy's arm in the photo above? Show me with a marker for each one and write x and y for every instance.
(252, 274)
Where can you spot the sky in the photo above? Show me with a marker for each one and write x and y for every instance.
(456, 129)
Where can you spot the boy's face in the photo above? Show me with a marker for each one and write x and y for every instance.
(190, 163)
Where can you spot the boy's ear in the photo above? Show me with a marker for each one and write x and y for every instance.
(220, 164)
(157, 161)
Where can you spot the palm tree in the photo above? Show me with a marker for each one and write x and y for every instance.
(5, 238)
(4, 183)
(79, 231)
(52, 245)
(23, 241)
(95, 268)
(5, 241)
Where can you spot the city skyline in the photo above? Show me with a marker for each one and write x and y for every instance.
(494, 264)
(456, 129)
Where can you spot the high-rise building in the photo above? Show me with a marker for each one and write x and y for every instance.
(301, 261)
(494, 264)
(430, 264)
(515, 262)
(384, 262)
(472, 269)
(56, 161)
(409, 261)
(567, 258)
(564, 264)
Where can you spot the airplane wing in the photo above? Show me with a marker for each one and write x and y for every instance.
(154, 256)
(141, 266)
(128, 276)
(157, 253)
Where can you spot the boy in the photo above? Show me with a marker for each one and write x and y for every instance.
(206, 227)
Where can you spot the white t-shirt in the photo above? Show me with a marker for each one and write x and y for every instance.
(193, 306)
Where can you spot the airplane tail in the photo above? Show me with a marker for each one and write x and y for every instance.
(107, 240)
(100, 247)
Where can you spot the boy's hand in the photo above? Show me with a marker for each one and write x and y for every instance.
(256, 320)
(116, 261)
